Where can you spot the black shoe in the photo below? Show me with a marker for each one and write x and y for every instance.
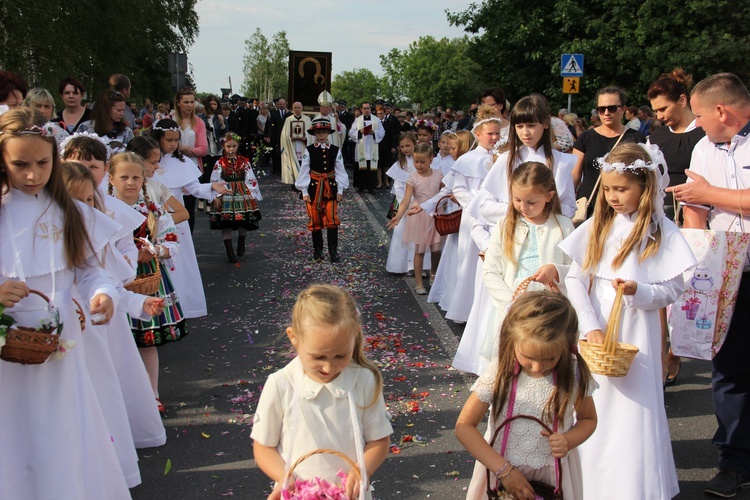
(371, 191)
(726, 483)
(241, 246)
(318, 254)
(230, 251)
(334, 255)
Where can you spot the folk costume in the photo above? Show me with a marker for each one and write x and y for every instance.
(323, 177)
(238, 210)
(367, 132)
(294, 140)
(170, 325)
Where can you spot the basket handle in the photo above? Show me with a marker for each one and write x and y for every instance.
(37, 292)
(613, 323)
(558, 464)
(437, 205)
(524, 285)
(304, 457)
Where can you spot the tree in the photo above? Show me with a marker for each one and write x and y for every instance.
(625, 42)
(435, 72)
(392, 85)
(265, 66)
(355, 86)
(47, 41)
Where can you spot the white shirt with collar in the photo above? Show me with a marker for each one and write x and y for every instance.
(725, 165)
(297, 415)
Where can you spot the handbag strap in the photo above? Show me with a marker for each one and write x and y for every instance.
(505, 427)
(599, 179)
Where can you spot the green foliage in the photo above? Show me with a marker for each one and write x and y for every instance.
(625, 42)
(438, 72)
(355, 86)
(265, 66)
(46, 41)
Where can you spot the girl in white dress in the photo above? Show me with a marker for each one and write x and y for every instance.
(180, 175)
(329, 396)
(398, 251)
(55, 442)
(629, 243)
(460, 143)
(146, 425)
(537, 372)
(470, 171)
(530, 140)
(422, 185)
(522, 244)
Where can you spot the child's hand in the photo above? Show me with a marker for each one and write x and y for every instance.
(102, 303)
(517, 485)
(144, 255)
(352, 485)
(220, 187)
(276, 493)
(339, 198)
(558, 443)
(392, 223)
(414, 210)
(11, 292)
(630, 286)
(306, 198)
(153, 306)
(217, 204)
(595, 337)
(547, 274)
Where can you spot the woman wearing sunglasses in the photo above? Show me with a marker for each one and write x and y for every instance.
(597, 142)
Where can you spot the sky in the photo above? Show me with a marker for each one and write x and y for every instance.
(355, 32)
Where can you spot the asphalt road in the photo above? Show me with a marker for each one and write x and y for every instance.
(211, 381)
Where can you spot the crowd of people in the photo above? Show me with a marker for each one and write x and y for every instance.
(539, 201)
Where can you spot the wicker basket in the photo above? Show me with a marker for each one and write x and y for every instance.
(27, 345)
(304, 457)
(446, 224)
(612, 358)
(146, 284)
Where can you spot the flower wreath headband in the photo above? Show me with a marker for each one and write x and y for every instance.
(486, 120)
(113, 147)
(232, 136)
(662, 177)
(425, 124)
(165, 129)
(33, 130)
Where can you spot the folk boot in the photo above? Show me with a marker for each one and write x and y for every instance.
(240, 246)
(333, 244)
(230, 251)
(317, 237)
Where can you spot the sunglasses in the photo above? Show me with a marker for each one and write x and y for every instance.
(612, 109)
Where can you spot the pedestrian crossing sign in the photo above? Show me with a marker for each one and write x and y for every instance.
(571, 85)
(571, 65)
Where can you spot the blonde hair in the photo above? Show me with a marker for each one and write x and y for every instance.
(604, 215)
(329, 305)
(465, 141)
(548, 320)
(530, 174)
(76, 175)
(135, 159)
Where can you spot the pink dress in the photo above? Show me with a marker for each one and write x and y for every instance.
(420, 228)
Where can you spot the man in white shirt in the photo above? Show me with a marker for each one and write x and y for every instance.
(717, 193)
(366, 132)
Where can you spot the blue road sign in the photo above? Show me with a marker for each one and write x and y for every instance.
(571, 65)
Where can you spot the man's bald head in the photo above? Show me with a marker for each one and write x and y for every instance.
(297, 108)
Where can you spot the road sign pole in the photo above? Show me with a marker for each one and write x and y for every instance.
(570, 110)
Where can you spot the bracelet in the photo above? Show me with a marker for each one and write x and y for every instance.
(504, 476)
(502, 469)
